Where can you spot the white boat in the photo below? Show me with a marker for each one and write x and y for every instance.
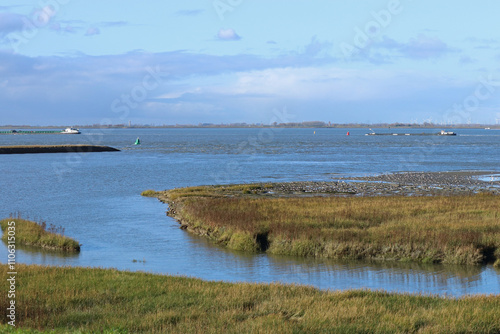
(447, 133)
(71, 131)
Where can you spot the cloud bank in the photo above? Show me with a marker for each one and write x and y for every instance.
(183, 87)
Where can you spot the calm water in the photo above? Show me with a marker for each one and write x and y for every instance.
(96, 198)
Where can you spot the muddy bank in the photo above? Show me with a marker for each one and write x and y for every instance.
(25, 149)
(425, 183)
(407, 184)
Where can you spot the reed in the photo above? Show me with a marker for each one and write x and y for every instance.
(461, 229)
(38, 235)
(91, 300)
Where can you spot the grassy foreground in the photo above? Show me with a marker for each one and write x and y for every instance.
(84, 300)
(439, 229)
(31, 233)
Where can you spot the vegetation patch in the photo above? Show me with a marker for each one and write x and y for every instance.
(92, 300)
(38, 235)
(460, 229)
(149, 193)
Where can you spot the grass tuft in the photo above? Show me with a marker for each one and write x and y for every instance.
(35, 234)
(149, 193)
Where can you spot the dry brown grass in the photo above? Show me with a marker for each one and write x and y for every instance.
(447, 229)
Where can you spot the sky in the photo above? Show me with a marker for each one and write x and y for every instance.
(69, 62)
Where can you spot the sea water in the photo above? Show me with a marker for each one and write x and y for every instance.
(96, 198)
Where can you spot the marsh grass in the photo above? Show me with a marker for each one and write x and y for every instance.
(149, 193)
(438, 229)
(84, 300)
(40, 235)
(216, 191)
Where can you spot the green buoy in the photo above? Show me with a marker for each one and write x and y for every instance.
(137, 141)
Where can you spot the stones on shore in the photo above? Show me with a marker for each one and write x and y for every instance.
(430, 178)
(414, 184)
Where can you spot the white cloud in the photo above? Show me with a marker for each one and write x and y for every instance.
(304, 83)
(228, 35)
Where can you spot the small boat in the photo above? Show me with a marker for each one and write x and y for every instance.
(447, 133)
(71, 131)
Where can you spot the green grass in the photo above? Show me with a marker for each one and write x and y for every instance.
(85, 300)
(439, 229)
(38, 235)
(149, 193)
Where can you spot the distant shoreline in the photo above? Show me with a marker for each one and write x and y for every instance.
(304, 125)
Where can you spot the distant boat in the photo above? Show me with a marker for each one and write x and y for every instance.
(137, 141)
(71, 131)
(447, 133)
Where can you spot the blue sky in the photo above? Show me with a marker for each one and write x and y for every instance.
(158, 62)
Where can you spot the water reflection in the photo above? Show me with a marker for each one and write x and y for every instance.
(31, 254)
(391, 276)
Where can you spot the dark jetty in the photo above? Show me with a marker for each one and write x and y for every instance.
(22, 149)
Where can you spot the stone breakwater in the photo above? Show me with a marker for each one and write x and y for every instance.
(411, 183)
(24, 149)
